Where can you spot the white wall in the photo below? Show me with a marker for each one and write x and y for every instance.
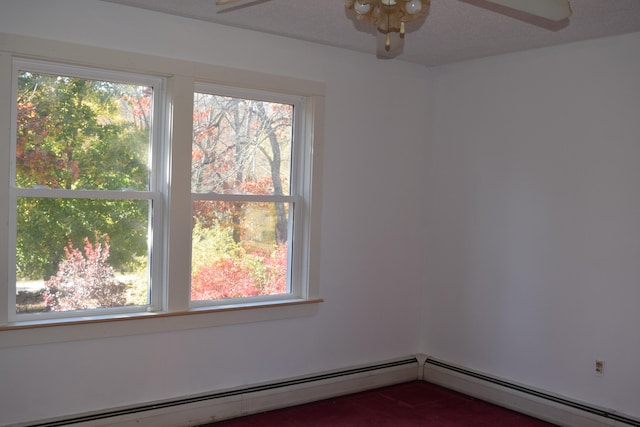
(534, 219)
(371, 257)
(530, 176)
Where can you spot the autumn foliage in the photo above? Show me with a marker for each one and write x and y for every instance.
(239, 147)
(85, 280)
(238, 278)
(80, 134)
(224, 269)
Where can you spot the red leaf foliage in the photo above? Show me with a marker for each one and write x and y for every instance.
(84, 280)
(237, 278)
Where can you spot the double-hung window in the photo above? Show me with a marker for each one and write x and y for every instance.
(86, 192)
(130, 196)
(247, 196)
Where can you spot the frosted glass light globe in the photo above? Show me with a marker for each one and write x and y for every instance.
(413, 7)
(361, 8)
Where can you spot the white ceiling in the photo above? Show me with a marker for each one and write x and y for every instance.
(454, 30)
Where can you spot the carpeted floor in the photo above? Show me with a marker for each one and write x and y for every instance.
(411, 404)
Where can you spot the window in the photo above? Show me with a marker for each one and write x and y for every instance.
(85, 187)
(246, 193)
(134, 197)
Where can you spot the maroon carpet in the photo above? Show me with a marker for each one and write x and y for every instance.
(405, 405)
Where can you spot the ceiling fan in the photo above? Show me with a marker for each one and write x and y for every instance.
(390, 16)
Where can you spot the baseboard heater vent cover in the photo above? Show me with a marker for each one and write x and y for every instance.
(406, 368)
(605, 414)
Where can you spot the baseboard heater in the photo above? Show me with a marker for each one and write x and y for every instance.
(405, 369)
(605, 414)
(261, 397)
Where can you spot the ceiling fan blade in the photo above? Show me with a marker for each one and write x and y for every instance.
(554, 10)
(223, 2)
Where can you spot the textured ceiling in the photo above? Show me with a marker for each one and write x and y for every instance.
(454, 30)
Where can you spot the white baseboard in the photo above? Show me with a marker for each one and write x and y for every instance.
(226, 404)
(544, 405)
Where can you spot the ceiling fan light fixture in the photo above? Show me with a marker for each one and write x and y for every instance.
(361, 8)
(413, 7)
(388, 15)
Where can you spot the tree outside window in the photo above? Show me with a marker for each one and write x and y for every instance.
(79, 142)
(240, 180)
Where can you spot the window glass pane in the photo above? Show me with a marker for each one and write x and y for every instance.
(236, 250)
(76, 254)
(74, 133)
(241, 146)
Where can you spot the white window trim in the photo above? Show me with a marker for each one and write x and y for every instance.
(181, 77)
(155, 193)
(300, 187)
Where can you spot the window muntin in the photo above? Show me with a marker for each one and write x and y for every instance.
(84, 191)
(244, 195)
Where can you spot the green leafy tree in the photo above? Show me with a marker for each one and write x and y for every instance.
(79, 134)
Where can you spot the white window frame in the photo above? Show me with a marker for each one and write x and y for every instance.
(173, 311)
(155, 193)
(299, 194)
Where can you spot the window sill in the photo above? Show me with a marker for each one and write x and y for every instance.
(74, 329)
